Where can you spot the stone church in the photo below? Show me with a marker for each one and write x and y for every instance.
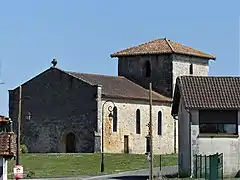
(71, 111)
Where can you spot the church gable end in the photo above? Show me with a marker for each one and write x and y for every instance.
(59, 104)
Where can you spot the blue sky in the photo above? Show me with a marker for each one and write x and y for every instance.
(81, 34)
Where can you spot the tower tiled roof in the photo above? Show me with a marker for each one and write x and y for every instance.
(162, 46)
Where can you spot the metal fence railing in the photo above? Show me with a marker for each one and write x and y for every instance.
(208, 167)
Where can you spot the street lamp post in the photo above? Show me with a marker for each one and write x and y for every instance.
(110, 109)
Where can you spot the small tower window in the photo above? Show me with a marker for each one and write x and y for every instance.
(148, 69)
(191, 69)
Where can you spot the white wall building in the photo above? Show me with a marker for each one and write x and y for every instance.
(208, 115)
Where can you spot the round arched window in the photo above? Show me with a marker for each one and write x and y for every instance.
(147, 69)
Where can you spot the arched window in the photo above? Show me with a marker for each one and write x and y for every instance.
(138, 129)
(148, 69)
(115, 119)
(159, 123)
(191, 69)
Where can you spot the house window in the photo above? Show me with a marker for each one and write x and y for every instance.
(147, 69)
(115, 119)
(218, 122)
(191, 69)
(138, 130)
(159, 123)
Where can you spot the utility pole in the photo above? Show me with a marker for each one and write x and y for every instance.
(150, 133)
(19, 125)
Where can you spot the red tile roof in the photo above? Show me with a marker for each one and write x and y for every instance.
(7, 144)
(4, 119)
(162, 46)
(207, 92)
(119, 87)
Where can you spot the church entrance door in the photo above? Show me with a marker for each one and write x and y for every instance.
(70, 143)
(126, 145)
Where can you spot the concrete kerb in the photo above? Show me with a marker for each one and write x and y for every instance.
(156, 171)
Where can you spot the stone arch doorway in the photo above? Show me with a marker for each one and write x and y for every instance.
(70, 143)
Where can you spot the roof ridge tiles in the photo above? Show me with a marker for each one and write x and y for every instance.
(162, 46)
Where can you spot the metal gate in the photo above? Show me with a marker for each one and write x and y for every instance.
(208, 167)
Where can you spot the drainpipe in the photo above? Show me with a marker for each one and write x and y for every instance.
(190, 141)
(175, 134)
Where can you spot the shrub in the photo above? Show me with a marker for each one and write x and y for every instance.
(30, 174)
(23, 149)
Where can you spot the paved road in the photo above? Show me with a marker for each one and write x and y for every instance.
(130, 175)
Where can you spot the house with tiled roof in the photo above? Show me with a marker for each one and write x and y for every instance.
(208, 113)
(74, 112)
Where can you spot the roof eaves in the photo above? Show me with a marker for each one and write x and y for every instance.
(70, 73)
(140, 54)
(157, 94)
(134, 98)
(207, 56)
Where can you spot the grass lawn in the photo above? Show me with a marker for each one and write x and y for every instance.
(62, 165)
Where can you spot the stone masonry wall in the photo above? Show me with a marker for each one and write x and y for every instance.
(181, 66)
(59, 104)
(165, 70)
(114, 141)
(133, 68)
